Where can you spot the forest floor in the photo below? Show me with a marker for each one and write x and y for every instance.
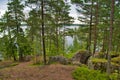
(26, 71)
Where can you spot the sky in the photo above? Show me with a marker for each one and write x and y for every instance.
(3, 8)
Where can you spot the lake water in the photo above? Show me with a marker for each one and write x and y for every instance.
(69, 39)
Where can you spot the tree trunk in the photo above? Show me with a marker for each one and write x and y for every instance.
(110, 37)
(14, 57)
(103, 43)
(57, 41)
(43, 36)
(95, 28)
(90, 29)
(11, 42)
(63, 40)
(17, 35)
(21, 56)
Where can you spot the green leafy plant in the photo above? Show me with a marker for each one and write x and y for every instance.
(82, 73)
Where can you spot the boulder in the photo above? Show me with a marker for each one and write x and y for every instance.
(57, 59)
(76, 63)
(101, 64)
(81, 56)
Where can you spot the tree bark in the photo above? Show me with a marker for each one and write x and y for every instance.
(110, 37)
(90, 29)
(95, 28)
(43, 36)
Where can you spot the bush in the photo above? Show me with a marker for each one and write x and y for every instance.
(69, 55)
(114, 76)
(82, 73)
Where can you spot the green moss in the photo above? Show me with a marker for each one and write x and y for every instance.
(115, 64)
(37, 64)
(98, 60)
(114, 53)
(14, 64)
(82, 51)
(101, 53)
(116, 59)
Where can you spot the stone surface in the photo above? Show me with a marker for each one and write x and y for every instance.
(58, 59)
(76, 63)
(81, 56)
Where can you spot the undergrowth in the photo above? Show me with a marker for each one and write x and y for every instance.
(82, 73)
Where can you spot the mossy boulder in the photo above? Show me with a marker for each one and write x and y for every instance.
(116, 60)
(57, 59)
(81, 56)
(101, 64)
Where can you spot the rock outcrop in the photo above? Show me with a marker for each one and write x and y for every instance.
(57, 59)
(81, 56)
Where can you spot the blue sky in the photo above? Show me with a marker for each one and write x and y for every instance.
(3, 8)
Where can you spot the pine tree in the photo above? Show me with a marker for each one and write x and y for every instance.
(16, 16)
(110, 37)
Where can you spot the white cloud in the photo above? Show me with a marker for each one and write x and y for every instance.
(2, 12)
(73, 13)
(3, 7)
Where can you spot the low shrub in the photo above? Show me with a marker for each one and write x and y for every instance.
(114, 76)
(69, 55)
(82, 73)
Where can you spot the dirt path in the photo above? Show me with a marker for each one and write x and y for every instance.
(24, 71)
